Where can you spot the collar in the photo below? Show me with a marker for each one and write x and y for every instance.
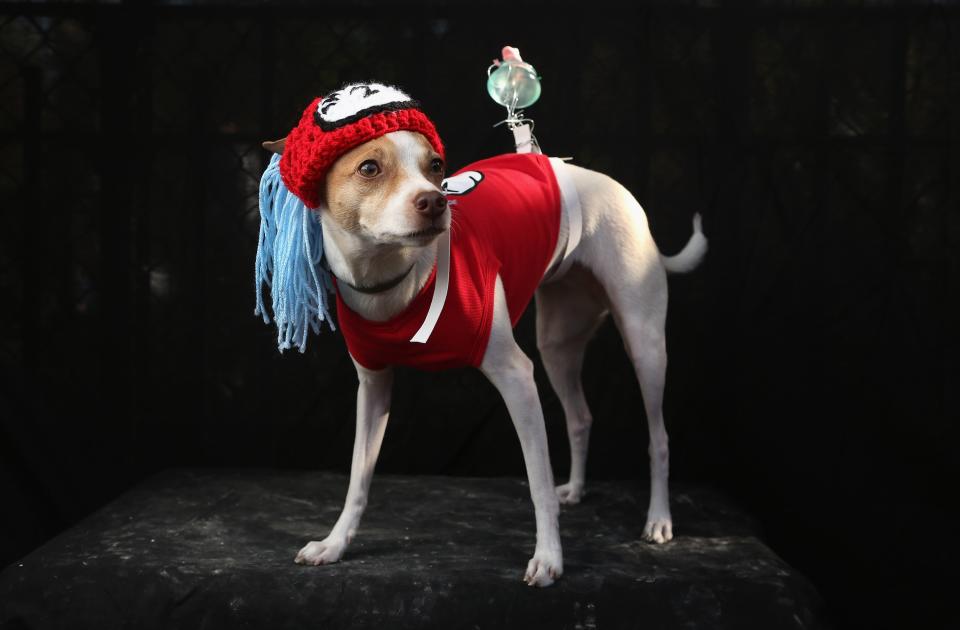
(379, 287)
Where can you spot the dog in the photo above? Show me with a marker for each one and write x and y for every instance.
(387, 213)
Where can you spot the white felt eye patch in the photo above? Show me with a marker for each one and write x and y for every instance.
(461, 183)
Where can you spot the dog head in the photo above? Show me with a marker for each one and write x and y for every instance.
(386, 189)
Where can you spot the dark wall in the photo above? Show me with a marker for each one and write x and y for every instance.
(813, 355)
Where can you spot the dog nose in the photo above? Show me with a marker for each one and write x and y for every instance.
(430, 204)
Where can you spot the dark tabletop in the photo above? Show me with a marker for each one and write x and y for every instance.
(215, 548)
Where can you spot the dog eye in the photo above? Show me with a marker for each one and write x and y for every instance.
(369, 169)
(436, 165)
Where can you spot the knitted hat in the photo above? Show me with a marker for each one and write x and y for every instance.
(336, 123)
(290, 248)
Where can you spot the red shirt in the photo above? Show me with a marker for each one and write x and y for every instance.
(506, 220)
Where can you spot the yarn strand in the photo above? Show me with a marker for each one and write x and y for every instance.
(290, 262)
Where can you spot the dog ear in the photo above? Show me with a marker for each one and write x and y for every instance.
(274, 146)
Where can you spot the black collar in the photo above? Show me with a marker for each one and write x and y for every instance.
(379, 287)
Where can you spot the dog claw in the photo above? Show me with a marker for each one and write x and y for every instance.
(658, 530)
(316, 553)
(569, 493)
(543, 569)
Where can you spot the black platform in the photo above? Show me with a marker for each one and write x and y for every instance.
(210, 549)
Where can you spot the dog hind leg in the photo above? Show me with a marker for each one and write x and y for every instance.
(645, 342)
(620, 251)
(567, 317)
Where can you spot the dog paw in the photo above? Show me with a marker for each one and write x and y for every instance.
(659, 529)
(570, 493)
(544, 568)
(326, 551)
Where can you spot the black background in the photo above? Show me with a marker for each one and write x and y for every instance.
(813, 358)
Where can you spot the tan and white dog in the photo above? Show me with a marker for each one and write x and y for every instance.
(382, 210)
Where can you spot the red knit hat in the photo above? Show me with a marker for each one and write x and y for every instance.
(334, 124)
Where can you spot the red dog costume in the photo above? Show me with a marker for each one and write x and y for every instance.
(507, 222)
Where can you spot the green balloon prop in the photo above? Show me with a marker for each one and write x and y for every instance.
(514, 84)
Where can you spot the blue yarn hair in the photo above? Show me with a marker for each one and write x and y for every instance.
(289, 260)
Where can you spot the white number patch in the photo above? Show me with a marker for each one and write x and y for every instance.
(358, 100)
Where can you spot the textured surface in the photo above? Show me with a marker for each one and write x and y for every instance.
(204, 548)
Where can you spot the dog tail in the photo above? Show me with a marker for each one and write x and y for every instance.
(691, 254)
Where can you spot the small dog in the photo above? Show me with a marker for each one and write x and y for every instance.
(387, 215)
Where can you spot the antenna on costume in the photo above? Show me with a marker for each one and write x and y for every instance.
(515, 84)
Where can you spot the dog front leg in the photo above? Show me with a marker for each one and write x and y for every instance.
(511, 372)
(373, 409)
